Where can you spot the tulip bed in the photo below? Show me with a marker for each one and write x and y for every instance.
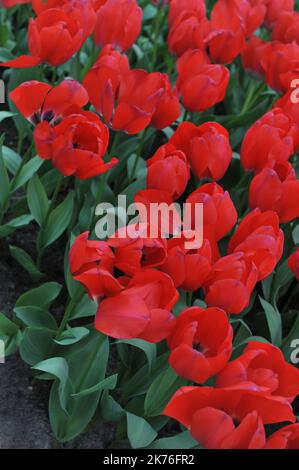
(169, 101)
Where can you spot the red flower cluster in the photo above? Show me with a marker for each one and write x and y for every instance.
(75, 140)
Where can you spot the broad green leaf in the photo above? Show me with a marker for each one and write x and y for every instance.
(72, 335)
(85, 308)
(5, 115)
(36, 316)
(14, 224)
(26, 173)
(149, 349)
(12, 160)
(161, 390)
(58, 221)
(291, 342)
(41, 296)
(36, 345)
(111, 411)
(37, 200)
(184, 440)
(58, 367)
(7, 327)
(107, 384)
(87, 362)
(282, 276)
(140, 432)
(274, 322)
(26, 261)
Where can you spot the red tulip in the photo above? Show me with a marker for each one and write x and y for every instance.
(188, 31)
(141, 310)
(91, 263)
(260, 239)
(133, 253)
(103, 80)
(281, 63)
(275, 8)
(39, 102)
(286, 28)
(76, 146)
(46, 34)
(82, 10)
(206, 146)
(168, 170)
(262, 365)
(253, 55)
(200, 344)
(269, 141)
(230, 283)
(227, 37)
(276, 189)
(211, 414)
(219, 212)
(200, 84)
(288, 103)
(130, 100)
(285, 438)
(293, 263)
(118, 23)
(188, 268)
(193, 7)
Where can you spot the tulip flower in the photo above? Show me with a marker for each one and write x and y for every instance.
(168, 170)
(46, 34)
(276, 189)
(188, 268)
(230, 283)
(206, 146)
(187, 32)
(275, 8)
(262, 365)
(200, 84)
(281, 62)
(200, 344)
(293, 263)
(12, 3)
(285, 438)
(253, 55)
(260, 239)
(118, 23)
(286, 28)
(208, 413)
(270, 140)
(192, 7)
(141, 310)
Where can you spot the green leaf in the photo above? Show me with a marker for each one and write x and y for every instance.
(37, 200)
(274, 322)
(36, 316)
(14, 224)
(87, 362)
(26, 261)
(26, 173)
(58, 367)
(6, 114)
(282, 276)
(41, 296)
(107, 384)
(58, 221)
(111, 411)
(7, 327)
(140, 432)
(85, 308)
(184, 440)
(4, 180)
(149, 349)
(12, 160)
(72, 336)
(36, 345)
(161, 390)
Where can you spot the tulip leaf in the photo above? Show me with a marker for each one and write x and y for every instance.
(58, 221)
(27, 172)
(41, 296)
(274, 322)
(26, 261)
(140, 432)
(37, 200)
(184, 440)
